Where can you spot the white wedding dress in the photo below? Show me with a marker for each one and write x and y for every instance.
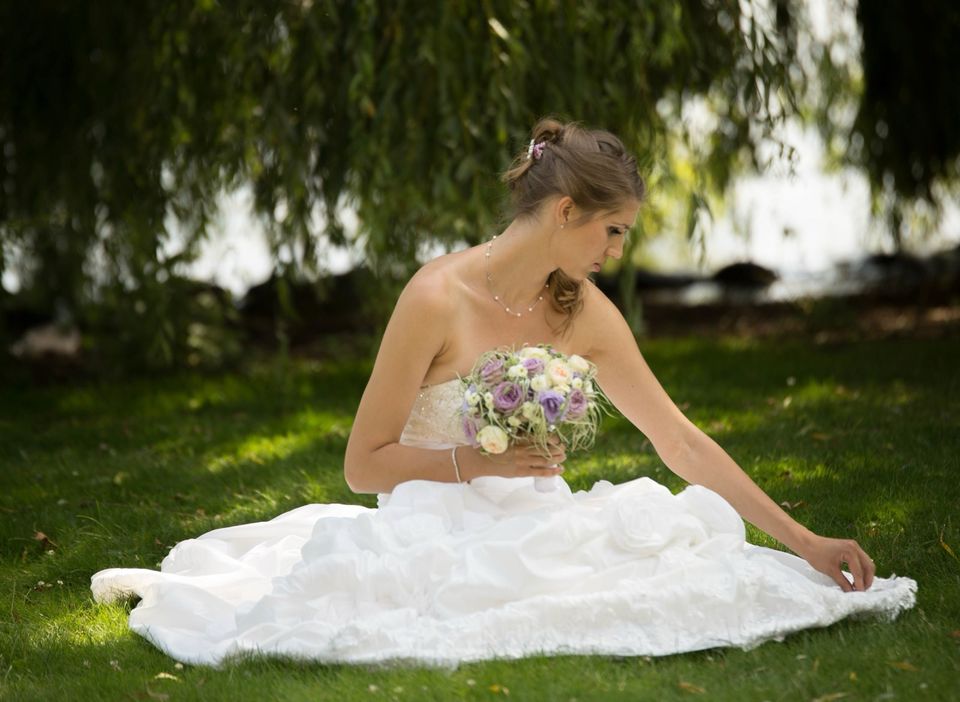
(442, 573)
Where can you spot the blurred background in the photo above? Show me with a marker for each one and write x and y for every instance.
(189, 183)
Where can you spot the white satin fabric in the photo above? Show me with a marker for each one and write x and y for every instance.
(442, 573)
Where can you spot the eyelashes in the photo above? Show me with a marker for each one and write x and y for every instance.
(615, 231)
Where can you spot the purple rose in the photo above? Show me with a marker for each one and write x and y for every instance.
(492, 371)
(507, 396)
(533, 366)
(469, 430)
(576, 404)
(552, 403)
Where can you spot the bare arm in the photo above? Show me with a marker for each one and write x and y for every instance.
(374, 461)
(629, 383)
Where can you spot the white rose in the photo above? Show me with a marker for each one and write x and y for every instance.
(493, 439)
(579, 364)
(488, 398)
(539, 382)
(577, 383)
(517, 371)
(562, 388)
(534, 352)
(559, 372)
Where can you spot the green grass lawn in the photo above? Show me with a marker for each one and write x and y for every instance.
(861, 439)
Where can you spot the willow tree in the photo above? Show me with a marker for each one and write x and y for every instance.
(890, 108)
(117, 119)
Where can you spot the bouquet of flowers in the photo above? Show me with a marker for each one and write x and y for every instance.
(533, 393)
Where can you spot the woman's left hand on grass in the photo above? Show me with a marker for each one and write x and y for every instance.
(827, 554)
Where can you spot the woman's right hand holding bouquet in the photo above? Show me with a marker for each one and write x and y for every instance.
(521, 459)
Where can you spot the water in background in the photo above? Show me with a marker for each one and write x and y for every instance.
(812, 228)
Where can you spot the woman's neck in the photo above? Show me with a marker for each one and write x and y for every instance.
(519, 263)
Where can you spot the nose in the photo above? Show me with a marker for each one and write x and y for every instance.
(615, 248)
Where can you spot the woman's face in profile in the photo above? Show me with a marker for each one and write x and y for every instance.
(585, 248)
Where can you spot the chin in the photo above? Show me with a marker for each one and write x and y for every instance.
(578, 276)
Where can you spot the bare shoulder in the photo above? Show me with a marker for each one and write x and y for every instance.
(600, 322)
(416, 333)
(425, 312)
(434, 287)
(595, 301)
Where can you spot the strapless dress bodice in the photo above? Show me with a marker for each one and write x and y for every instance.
(434, 421)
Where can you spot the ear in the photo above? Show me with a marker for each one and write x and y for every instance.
(565, 209)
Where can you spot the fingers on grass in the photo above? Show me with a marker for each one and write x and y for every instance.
(841, 580)
(868, 570)
(857, 569)
(861, 566)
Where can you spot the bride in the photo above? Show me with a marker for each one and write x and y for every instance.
(463, 559)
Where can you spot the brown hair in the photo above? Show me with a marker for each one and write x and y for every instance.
(592, 167)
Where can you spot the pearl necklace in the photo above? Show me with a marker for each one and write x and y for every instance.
(497, 297)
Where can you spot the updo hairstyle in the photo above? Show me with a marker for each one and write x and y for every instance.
(592, 167)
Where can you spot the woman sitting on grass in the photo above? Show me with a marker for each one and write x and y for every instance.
(463, 559)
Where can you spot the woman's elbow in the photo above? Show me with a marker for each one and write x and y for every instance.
(363, 467)
(353, 473)
(680, 451)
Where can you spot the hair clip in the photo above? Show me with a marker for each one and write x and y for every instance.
(534, 151)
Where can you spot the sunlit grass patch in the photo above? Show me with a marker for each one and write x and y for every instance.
(259, 450)
(73, 623)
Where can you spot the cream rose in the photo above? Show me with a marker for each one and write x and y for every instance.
(517, 371)
(534, 352)
(539, 382)
(559, 372)
(493, 439)
(579, 364)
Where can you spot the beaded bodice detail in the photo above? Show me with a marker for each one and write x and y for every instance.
(434, 420)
